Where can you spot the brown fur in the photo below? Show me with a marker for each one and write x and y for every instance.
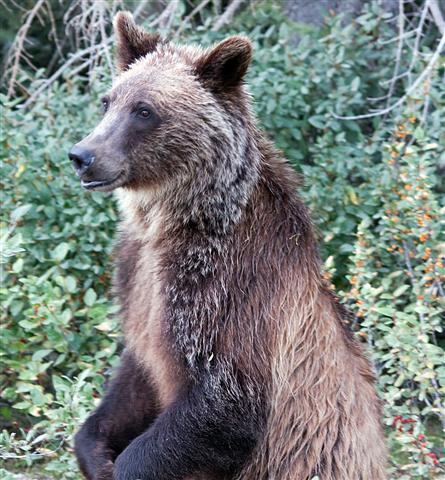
(218, 271)
(132, 42)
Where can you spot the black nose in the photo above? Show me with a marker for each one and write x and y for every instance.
(81, 158)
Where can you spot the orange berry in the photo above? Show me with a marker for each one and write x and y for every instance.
(427, 253)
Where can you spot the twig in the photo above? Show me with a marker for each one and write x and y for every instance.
(139, 9)
(392, 40)
(418, 36)
(18, 47)
(437, 16)
(54, 32)
(164, 20)
(55, 56)
(376, 99)
(60, 71)
(393, 79)
(227, 15)
(412, 276)
(95, 50)
(104, 37)
(426, 106)
(410, 90)
(190, 16)
(23, 9)
(401, 22)
(83, 65)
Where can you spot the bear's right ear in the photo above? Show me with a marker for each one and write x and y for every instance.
(133, 42)
(224, 66)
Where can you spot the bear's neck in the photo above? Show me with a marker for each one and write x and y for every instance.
(211, 203)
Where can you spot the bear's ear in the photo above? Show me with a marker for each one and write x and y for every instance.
(225, 65)
(133, 42)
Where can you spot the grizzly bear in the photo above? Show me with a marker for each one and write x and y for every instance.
(238, 362)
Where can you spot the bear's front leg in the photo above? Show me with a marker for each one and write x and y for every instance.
(105, 472)
(211, 431)
(128, 409)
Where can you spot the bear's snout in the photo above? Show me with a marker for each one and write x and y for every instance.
(94, 172)
(82, 159)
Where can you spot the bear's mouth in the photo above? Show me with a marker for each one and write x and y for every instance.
(97, 184)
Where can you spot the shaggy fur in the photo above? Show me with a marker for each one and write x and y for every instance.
(238, 363)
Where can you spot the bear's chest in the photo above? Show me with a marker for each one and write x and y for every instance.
(145, 329)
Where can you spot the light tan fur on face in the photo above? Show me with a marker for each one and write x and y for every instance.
(163, 75)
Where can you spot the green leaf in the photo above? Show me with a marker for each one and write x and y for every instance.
(317, 121)
(355, 84)
(90, 297)
(22, 405)
(19, 212)
(40, 354)
(60, 252)
(27, 325)
(400, 290)
(70, 284)
(386, 311)
(419, 133)
(17, 266)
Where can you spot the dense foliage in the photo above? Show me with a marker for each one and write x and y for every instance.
(374, 190)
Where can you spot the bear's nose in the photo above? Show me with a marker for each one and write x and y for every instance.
(82, 159)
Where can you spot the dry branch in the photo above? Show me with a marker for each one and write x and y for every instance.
(228, 14)
(437, 16)
(93, 53)
(424, 75)
(396, 76)
(187, 19)
(17, 51)
(87, 33)
(61, 70)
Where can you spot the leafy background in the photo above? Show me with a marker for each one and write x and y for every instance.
(375, 187)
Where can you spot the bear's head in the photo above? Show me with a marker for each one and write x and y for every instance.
(174, 113)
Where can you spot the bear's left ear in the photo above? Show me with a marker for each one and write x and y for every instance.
(225, 65)
(133, 42)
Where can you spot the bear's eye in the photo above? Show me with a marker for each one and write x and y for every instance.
(144, 113)
(105, 104)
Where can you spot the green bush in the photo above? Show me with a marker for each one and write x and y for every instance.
(374, 190)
